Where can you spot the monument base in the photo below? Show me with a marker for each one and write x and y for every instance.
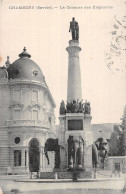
(65, 175)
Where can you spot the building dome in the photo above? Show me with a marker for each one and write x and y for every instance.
(3, 73)
(25, 68)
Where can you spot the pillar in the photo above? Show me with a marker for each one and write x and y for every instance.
(23, 157)
(27, 159)
(74, 91)
(41, 158)
(11, 161)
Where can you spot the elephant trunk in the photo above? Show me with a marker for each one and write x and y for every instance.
(46, 154)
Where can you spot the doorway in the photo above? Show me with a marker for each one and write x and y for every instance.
(117, 167)
(34, 155)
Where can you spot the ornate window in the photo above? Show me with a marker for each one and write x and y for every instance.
(34, 95)
(17, 95)
(35, 73)
(17, 157)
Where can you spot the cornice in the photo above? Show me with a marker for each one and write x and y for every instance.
(35, 105)
(26, 82)
(30, 129)
(74, 115)
(16, 105)
(27, 123)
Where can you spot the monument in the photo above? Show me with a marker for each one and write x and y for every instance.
(75, 116)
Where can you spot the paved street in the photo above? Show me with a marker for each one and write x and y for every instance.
(73, 191)
(99, 187)
(80, 191)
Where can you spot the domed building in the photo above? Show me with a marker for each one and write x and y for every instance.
(26, 115)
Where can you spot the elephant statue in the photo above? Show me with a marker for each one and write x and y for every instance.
(75, 152)
(94, 155)
(52, 145)
(99, 152)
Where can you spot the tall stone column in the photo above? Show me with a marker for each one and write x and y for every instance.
(74, 91)
(75, 118)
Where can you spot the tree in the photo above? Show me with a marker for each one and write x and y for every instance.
(117, 145)
(123, 135)
(122, 147)
(114, 142)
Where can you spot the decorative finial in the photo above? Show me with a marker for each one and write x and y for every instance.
(8, 58)
(7, 62)
(24, 53)
(24, 49)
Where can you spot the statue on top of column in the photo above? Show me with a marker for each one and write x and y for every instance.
(74, 28)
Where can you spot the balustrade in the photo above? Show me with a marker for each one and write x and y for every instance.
(27, 123)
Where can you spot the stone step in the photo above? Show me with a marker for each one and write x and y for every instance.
(64, 175)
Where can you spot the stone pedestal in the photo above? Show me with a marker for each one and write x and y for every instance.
(44, 166)
(85, 133)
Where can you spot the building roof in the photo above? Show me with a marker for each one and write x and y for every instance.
(25, 68)
(102, 130)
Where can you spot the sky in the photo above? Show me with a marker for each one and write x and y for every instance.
(45, 34)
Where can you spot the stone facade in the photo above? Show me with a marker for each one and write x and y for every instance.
(26, 113)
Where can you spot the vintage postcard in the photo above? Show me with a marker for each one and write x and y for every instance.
(63, 96)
